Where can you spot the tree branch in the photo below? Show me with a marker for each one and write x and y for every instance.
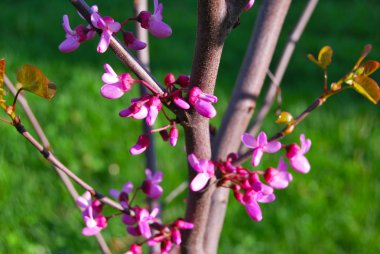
(241, 107)
(215, 21)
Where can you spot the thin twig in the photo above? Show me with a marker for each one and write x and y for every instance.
(49, 156)
(41, 134)
(172, 195)
(282, 66)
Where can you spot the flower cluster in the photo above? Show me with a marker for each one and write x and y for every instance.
(247, 185)
(139, 221)
(148, 106)
(108, 26)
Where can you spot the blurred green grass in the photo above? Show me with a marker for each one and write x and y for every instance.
(333, 209)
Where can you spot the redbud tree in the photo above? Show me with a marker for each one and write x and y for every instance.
(215, 154)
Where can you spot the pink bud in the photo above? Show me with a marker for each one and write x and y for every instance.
(173, 135)
(169, 80)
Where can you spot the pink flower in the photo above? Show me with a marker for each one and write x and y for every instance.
(144, 107)
(74, 37)
(154, 22)
(144, 218)
(202, 102)
(183, 80)
(95, 221)
(205, 169)
(141, 145)
(134, 249)
(151, 185)
(296, 157)
(258, 193)
(279, 177)
(108, 27)
(249, 5)
(131, 42)
(115, 86)
(259, 146)
(123, 195)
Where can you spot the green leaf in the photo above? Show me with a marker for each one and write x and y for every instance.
(325, 56)
(367, 87)
(33, 80)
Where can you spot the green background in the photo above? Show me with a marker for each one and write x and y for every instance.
(333, 209)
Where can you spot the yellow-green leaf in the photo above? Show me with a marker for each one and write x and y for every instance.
(285, 118)
(325, 56)
(312, 58)
(369, 67)
(367, 87)
(33, 80)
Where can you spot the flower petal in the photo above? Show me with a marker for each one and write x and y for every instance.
(69, 45)
(257, 155)
(248, 140)
(111, 91)
(272, 147)
(199, 181)
(254, 211)
(300, 163)
(104, 42)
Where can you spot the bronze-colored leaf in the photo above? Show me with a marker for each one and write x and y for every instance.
(325, 56)
(367, 87)
(369, 67)
(33, 80)
(2, 71)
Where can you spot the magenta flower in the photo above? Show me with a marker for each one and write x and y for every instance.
(123, 195)
(259, 146)
(279, 177)
(202, 102)
(141, 145)
(205, 169)
(259, 192)
(131, 41)
(144, 218)
(134, 249)
(144, 107)
(151, 185)
(296, 157)
(74, 37)
(249, 5)
(154, 22)
(108, 27)
(115, 86)
(95, 221)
